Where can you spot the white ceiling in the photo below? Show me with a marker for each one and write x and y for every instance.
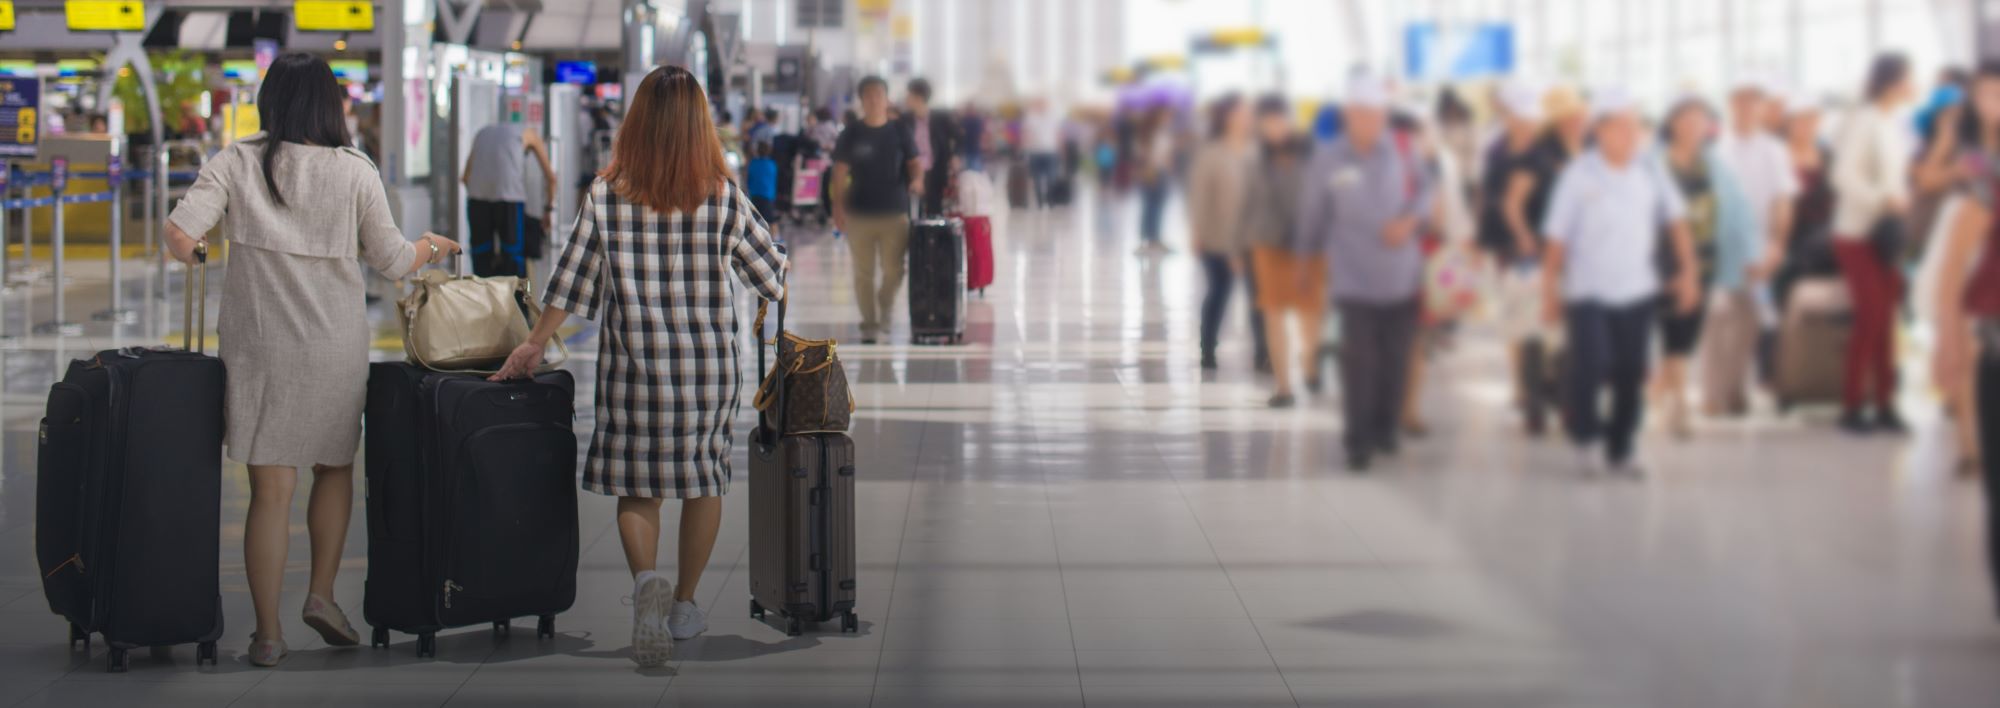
(573, 25)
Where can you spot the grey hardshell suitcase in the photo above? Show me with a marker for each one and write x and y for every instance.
(802, 551)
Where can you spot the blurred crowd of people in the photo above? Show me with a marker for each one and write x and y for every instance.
(1691, 260)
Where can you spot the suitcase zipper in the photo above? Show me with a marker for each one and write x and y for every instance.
(449, 586)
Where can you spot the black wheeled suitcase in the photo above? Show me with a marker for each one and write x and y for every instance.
(471, 502)
(802, 550)
(937, 281)
(128, 495)
(1540, 382)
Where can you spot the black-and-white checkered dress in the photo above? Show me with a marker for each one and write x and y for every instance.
(667, 369)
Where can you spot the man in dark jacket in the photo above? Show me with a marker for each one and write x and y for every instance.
(938, 143)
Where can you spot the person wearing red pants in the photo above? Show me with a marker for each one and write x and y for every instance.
(1870, 175)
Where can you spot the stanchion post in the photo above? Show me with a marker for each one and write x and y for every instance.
(146, 212)
(116, 313)
(58, 181)
(6, 274)
(22, 272)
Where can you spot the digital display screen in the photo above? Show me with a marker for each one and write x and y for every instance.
(240, 70)
(581, 73)
(354, 70)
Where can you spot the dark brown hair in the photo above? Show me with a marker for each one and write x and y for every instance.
(667, 155)
(1888, 70)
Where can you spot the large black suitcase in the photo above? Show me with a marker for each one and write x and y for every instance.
(937, 281)
(471, 501)
(802, 551)
(128, 496)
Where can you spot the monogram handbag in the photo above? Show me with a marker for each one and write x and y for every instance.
(467, 324)
(805, 390)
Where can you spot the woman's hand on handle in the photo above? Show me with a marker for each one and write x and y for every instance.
(528, 357)
(445, 247)
(181, 246)
(522, 363)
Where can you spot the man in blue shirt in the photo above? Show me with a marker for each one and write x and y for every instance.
(1599, 275)
(1360, 207)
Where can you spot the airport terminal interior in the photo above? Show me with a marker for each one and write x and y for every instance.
(1086, 493)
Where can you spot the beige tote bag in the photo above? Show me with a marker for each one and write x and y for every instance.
(467, 324)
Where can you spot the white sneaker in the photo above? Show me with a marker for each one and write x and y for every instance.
(652, 643)
(686, 621)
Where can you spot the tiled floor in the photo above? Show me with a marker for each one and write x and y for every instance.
(1065, 512)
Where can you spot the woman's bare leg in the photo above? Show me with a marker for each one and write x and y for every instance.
(327, 512)
(1281, 355)
(701, 520)
(1672, 387)
(1310, 323)
(639, 532)
(266, 536)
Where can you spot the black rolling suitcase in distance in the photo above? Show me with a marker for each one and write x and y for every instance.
(802, 551)
(128, 495)
(471, 502)
(937, 281)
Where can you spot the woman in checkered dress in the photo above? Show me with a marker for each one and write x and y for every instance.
(650, 259)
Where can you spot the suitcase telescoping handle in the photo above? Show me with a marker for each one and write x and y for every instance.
(194, 305)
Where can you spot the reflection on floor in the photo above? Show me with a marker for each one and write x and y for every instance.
(1064, 512)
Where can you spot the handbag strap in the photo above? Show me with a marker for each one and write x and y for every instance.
(777, 376)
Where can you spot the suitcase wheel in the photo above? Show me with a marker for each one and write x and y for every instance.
(427, 645)
(756, 610)
(204, 653)
(545, 627)
(380, 638)
(502, 628)
(116, 662)
(794, 627)
(76, 634)
(849, 623)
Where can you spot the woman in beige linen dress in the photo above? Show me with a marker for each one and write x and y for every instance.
(298, 209)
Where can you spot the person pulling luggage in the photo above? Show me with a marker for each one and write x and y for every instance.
(875, 171)
(300, 208)
(668, 368)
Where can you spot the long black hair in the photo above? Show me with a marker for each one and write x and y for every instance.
(1970, 128)
(299, 102)
(1889, 70)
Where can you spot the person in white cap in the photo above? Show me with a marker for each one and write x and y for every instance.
(1770, 180)
(1601, 281)
(1769, 183)
(1519, 172)
(1364, 195)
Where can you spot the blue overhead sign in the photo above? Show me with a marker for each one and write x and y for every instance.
(20, 116)
(1457, 51)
